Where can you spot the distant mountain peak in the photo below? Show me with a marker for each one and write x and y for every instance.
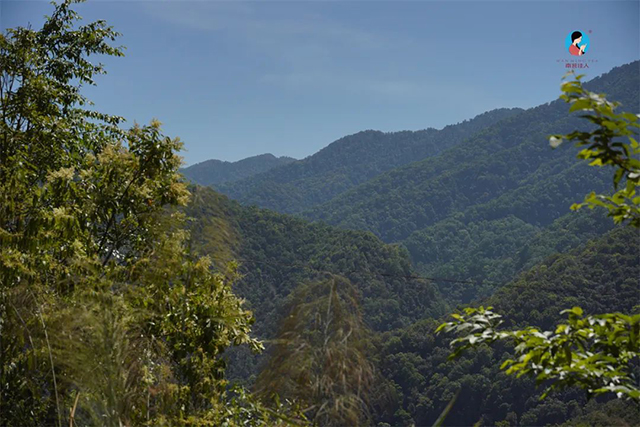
(215, 172)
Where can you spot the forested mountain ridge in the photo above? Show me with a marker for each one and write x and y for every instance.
(350, 161)
(600, 276)
(511, 154)
(213, 172)
(278, 252)
(490, 207)
(488, 244)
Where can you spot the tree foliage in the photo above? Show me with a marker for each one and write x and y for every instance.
(612, 143)
(596, 353)
(105, 315)
(592, 352)
(319, 356)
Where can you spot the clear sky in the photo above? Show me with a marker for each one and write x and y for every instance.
(235, 79)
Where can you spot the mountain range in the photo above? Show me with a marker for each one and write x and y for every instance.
(421, 222)
(348, 162)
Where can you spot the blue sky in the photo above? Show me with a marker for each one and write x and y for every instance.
(234, 79)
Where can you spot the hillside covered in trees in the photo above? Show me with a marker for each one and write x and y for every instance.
(277, 252)
(599, 276)
(494, 204)
(508, 164)
(350, 161)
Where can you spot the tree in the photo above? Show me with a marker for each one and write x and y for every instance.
(596, 353)
(105, 315)
(606, 146)
(319, 357)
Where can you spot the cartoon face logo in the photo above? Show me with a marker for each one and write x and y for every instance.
(577, 43)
